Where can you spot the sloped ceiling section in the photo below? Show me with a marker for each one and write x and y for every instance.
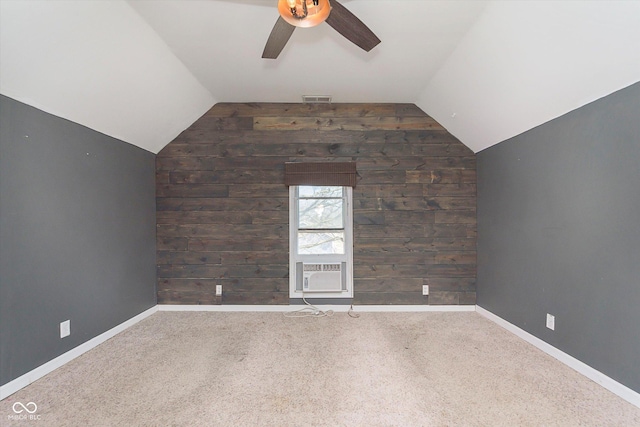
(524, 63)
(221, 42)
(99, 64)
(144, 70)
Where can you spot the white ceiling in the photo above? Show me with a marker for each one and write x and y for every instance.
(144, 70)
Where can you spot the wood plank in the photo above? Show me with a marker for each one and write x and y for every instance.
(415, 163)
(223, 123)
(403, 162)
(258, 190)
(222, 217)
(422, 140)
(219, 271)
(409, 110)
(368, 218)
(453, 148)
(449, 270)
(414, 230)
(451, 190)
(229, 231)
(172, 244)
(416, 203)
(409, 217)
(441, 176)
(237, 245)
(188, 285)
(245, 176)
(363, 191)
(458, 284)
(397, 271)
(426, 138)
(166, 163)
(177, 149)
(192, 190)
(467, 298)
(262, 284)
(256, 298)
(206, 217)
(444, 298)
(398, 258)
(465, 257)
(382, 177)
(187, 298)
(295, 138)
(456, 217)
(438, 162)
(394, 231)
(254, 258)
(252, 163)
(346, 123)
(388, 285)
(328, 147)
(207, 204)
(162, 177)
(187, 257)
(216, 162)
(417, 244)
(299, 109)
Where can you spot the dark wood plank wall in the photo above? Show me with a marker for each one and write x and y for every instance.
(223, 210)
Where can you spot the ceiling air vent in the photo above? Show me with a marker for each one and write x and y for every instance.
(316, 99)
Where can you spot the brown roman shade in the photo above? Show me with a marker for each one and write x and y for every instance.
(320, 173)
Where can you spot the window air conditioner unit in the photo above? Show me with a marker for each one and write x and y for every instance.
(322, 277)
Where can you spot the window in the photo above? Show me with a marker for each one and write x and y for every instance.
(321, 242)
(321, 219)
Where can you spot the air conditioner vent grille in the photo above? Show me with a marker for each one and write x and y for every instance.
(316, 99)
(330, 267)
(329, 277)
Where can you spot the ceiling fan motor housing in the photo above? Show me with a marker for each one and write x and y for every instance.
(304, 13)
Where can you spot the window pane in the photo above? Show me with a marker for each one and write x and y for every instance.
(320, 213)
(319, 191)
(320, 243)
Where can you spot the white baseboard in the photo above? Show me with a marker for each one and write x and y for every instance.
(411, 308)
(42, 370)
(338, 308)
(610, 384)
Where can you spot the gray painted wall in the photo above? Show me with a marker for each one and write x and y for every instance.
(559, 233)
(77, 235)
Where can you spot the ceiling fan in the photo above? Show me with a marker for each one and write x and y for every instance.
(309, 13)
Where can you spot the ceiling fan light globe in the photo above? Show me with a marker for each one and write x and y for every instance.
(315, 14)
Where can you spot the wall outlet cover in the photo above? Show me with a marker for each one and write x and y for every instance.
(218, 290)
(65, 328)
(425, 289)
(551, 322)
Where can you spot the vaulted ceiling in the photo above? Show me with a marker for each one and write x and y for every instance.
(144, 70)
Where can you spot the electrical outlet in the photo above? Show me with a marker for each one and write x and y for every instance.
(425, 289)
(551, 322)
(218, 290)
(65, 328)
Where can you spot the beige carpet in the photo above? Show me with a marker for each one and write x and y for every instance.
(263, 369)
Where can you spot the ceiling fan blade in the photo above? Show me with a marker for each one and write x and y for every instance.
(278, 38)
(353, 29)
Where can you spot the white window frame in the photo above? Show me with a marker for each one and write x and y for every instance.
(294, 257)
